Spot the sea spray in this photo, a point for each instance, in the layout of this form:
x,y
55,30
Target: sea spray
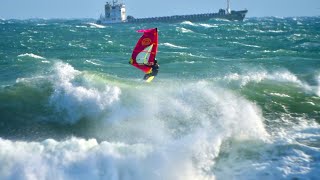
x,y
76,96
191,150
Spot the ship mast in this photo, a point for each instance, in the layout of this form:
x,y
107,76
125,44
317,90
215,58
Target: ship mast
x,y
228,7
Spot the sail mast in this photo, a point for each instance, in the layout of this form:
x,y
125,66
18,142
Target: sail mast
x,y
228,7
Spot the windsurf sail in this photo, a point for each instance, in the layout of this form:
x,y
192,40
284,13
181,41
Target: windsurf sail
x,y
145,51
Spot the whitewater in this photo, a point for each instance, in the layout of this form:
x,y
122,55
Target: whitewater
x,y
232,100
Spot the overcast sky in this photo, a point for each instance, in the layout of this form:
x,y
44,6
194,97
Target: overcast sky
x,y
24,9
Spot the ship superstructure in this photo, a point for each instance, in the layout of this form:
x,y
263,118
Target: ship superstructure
x,y
115,12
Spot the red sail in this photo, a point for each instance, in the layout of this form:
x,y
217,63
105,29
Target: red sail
x,y
145,50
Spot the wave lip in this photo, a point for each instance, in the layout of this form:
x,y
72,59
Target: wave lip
x,y
78,96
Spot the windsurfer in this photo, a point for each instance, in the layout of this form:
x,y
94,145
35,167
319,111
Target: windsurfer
x,y
144,53
154,69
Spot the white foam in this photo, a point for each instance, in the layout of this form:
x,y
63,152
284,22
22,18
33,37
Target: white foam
x,y
77,45
45,62
94,25
276,31
289,155
31,80
312,103
189,62
71,159
222,20
191,55
78,96
189,23
258,30
281,76
87,159
181,139
31,55
248,45
279,95
208,25
188,123
81,26
184,30
309,45
173,46
92,62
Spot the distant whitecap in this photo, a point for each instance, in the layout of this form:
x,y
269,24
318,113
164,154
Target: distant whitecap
x,y
208,25
279,95
189,23
184,30
31,55
248,45
93,62
93,25
173,46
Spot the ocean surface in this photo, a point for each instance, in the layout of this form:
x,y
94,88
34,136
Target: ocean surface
x,y
232,100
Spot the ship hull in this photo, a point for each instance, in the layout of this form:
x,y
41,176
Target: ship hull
x,y
233,16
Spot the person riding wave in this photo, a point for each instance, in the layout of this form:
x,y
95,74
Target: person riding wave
x,y
154,69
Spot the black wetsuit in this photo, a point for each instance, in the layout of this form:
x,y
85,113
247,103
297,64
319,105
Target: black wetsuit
x,y
155,69
154,72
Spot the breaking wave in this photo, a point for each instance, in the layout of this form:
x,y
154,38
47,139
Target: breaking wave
x,y
180,141
76,96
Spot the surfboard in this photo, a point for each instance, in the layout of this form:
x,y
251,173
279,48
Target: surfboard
x,y
150,79
145,51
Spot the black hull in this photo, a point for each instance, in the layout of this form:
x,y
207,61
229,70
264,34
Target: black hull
x,y
233,16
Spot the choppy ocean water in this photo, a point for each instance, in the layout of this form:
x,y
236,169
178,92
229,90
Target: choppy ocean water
x,y
232,100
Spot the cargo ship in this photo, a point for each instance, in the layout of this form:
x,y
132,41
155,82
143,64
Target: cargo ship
x,y
115,12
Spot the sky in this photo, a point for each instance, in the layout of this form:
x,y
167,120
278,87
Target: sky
x,y
26,9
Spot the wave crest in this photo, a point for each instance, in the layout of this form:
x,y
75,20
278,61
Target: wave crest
x,y
78,96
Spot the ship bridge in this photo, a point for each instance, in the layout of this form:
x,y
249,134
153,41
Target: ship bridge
x,y
114,12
